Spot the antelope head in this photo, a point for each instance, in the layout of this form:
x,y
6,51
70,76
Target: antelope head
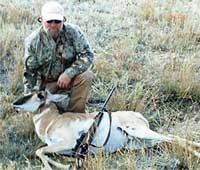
x,y
35,99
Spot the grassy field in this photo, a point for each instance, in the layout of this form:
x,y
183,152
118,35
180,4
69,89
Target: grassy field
x,y
149,49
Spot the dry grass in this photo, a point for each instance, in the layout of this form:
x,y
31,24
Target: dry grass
x,y
149,49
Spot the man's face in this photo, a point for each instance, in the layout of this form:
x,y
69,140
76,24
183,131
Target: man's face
x,y
53,26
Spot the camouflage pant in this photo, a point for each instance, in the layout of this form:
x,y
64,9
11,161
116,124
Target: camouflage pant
x,y
78,92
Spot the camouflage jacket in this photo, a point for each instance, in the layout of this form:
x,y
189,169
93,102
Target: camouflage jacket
x,y
46,59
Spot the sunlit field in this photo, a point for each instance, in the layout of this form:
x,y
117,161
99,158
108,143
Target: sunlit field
x,y
148,49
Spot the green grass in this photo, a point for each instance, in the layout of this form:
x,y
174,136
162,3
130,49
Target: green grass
x,y
148,49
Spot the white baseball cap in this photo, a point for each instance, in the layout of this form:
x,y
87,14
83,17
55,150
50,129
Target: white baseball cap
x,y
52,10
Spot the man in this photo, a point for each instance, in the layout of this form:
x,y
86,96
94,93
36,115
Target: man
x,y
57,57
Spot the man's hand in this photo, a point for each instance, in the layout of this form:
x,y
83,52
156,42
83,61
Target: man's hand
x,y
64,81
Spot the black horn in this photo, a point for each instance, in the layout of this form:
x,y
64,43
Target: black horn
x,y
22,100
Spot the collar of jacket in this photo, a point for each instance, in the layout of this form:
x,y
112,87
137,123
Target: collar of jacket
x,y
46,37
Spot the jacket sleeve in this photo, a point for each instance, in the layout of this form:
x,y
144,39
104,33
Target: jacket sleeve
x,y
84,54
30,67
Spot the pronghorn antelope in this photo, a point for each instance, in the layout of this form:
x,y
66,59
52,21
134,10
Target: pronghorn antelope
x,y
61,131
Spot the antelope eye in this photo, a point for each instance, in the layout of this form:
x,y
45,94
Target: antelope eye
x,y
40,96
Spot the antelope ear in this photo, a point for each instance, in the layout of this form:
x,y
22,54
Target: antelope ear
x,y
22,100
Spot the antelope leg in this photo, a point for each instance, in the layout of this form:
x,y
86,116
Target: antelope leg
x,y
184,142
57,164
43,159
52,149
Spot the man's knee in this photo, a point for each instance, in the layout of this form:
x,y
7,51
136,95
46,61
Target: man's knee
x,y
85,77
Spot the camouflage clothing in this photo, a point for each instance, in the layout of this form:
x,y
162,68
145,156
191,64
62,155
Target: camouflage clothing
x,y
46,59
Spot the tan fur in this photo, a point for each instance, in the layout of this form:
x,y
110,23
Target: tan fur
x,y
136,119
